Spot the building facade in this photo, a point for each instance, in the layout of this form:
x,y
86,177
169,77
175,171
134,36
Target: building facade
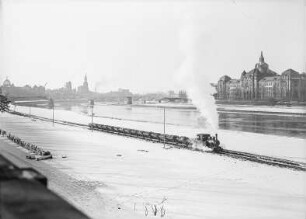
x,y
10,90
222,87
261,83
68,92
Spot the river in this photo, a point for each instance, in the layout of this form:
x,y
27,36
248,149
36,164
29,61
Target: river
x,y
274,123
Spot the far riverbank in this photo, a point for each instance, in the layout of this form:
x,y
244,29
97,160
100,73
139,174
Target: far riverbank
x,y
260,103
278,109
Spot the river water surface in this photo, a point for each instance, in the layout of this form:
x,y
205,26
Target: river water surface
x,y
275,123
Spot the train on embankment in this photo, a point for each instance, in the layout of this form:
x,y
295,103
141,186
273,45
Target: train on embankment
x,y
202,140
200,143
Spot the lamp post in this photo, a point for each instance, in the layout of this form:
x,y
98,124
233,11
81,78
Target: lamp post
x,y
91,105
53,115
51,105
164,127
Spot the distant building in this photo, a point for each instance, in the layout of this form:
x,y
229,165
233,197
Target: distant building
x,y
68,86
83,89
222,87
6,83
182,94
129,100
121,93
172,97
262,83
268,87
250,81
120,96
69,93
171,93
124,92
10,90
234,89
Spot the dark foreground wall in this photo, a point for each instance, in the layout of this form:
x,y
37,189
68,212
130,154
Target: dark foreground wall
x,y
24,194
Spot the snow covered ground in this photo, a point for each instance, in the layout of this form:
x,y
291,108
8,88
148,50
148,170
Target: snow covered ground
x,y
136,174
170,105
278,146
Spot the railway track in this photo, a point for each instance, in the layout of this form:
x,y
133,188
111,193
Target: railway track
x,y
177,141
264,159
62,122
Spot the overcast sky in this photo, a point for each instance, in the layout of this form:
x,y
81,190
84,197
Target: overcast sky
x,y
142,45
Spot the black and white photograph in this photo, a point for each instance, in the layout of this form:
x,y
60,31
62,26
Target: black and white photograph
x,y
175,109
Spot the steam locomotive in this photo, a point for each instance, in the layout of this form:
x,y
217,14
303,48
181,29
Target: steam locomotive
x,y
209,141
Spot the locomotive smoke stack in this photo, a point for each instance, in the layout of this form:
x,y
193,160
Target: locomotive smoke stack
x,y
216,136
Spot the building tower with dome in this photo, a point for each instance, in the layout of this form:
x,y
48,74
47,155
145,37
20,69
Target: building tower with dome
x,y
6,83
10,90
261,65
250,80
263,83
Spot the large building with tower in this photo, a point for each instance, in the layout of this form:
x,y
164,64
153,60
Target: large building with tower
x,y
261,83
10,90
68,92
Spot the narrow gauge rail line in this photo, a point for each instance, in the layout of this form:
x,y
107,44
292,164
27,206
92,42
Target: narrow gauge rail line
x,y
62,122
264,159
177,141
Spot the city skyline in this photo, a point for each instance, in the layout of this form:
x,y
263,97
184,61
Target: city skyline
x,y
147,47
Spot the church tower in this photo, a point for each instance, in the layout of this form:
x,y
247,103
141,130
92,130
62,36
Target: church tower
x,y
261,58
261,65
85,84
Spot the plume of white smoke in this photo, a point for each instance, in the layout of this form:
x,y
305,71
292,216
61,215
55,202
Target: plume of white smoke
x,y
1,41
193,74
